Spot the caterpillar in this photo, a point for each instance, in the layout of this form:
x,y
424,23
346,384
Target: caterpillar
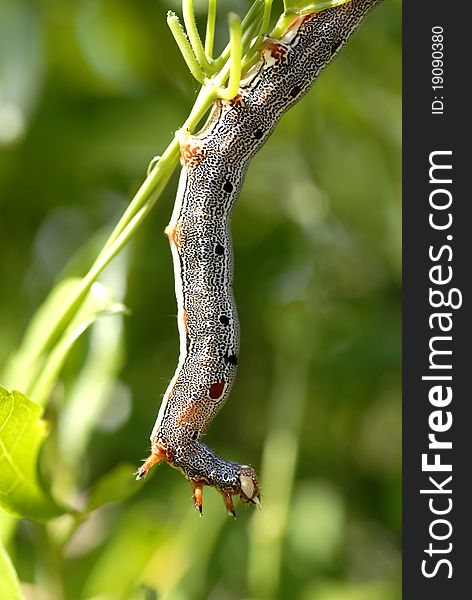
x,y
214,164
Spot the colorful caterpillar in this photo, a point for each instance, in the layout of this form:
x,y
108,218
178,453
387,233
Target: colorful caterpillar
x,y
214,164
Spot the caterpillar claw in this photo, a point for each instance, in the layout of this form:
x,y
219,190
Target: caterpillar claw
x,y
198,496
228,500
157,455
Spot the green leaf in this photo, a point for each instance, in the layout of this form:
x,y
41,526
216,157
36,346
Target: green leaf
x,y
118,484
23,366
21,434
97,303
310,6
34,367
96,384
9,584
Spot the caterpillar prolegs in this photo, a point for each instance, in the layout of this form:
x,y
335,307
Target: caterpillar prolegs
x,y
214,165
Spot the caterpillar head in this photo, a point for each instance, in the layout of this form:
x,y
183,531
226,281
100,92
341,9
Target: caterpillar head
x,y
245,484
249,486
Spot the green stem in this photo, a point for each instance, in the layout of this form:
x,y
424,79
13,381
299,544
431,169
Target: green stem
x,y
194,36
210,29
252,56
185,47
236,53
249,26
44,383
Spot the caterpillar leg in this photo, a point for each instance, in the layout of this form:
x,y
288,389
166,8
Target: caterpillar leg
x,y
198,495
228,500
157,455
197,486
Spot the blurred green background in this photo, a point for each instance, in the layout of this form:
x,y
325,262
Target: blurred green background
x,y
90,91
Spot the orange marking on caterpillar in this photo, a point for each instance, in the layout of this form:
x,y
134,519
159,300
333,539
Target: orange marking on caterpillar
x,y
174,233
274,51
297,21
308,17
192,415
294,26
237,101
191,152
185,320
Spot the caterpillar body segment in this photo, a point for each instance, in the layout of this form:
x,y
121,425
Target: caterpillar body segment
x,y
214,165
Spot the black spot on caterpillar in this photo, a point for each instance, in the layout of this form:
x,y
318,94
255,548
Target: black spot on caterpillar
x,y
230,359
234,132
228,186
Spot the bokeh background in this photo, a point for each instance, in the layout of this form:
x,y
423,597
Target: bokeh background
x,y
90,91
